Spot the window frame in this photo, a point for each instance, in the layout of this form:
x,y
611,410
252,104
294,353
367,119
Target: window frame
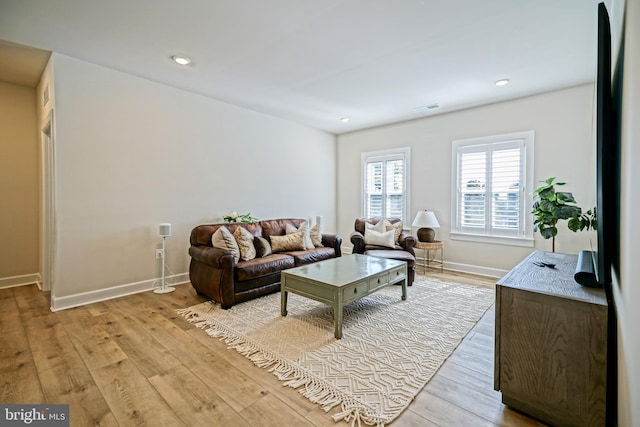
x,y
524,235
403,153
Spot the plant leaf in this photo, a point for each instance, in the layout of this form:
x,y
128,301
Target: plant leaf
x,y
549,232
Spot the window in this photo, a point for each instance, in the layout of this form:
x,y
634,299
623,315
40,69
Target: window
x,y
492,186
385,187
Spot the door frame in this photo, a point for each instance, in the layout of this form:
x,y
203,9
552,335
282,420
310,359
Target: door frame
x,y
48,240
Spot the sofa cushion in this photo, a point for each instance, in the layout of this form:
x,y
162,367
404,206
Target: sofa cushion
x,y
263,248
277,227
201,234
258,267
397,228
244,239
380,226
289,242
373,237
361,223
304,227
311,256
316,236
223,239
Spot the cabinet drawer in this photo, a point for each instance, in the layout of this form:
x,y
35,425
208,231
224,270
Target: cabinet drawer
x,y
397,274
378,281
355,291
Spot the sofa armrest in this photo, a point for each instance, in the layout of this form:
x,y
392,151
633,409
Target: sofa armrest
x,y
357,239
333,241
211,273
214,257
407,242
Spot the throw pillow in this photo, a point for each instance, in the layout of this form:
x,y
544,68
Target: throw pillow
x,y
308,243
373,237
223,239
397,228
380,227
288,242
263,248
316,236
245,242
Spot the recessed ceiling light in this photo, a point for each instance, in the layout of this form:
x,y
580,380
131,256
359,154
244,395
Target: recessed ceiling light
x,y
344,119
502,82
182,60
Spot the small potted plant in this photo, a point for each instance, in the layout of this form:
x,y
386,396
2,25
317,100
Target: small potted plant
x,y
246,218
550,206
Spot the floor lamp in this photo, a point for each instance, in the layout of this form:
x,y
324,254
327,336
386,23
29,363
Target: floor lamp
x,y
165,231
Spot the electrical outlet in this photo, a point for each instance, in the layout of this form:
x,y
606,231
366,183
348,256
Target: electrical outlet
x,y
159,254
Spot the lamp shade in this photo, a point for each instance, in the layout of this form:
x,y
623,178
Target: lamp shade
x,y
426,219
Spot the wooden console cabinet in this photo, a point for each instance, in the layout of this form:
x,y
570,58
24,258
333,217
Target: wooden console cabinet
x,y
551,343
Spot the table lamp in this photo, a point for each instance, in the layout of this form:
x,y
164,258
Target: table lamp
x,y
426,221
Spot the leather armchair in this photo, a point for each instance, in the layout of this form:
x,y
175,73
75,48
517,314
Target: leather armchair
x,y
406,242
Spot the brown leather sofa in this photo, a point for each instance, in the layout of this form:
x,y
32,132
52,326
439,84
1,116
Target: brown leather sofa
x,y
403,251
214,273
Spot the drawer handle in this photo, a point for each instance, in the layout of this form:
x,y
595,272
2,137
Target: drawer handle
x,y
355,291
378,280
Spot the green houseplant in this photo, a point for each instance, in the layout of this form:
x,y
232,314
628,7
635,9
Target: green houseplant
x,y
246,218
550,206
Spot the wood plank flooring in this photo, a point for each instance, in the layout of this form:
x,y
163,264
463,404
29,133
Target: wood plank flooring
x,y
133,361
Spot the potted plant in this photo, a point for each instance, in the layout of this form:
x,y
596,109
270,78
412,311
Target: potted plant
x,y
246,218
550,206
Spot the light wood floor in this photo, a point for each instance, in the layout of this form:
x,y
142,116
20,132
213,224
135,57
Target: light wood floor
x,y
132,361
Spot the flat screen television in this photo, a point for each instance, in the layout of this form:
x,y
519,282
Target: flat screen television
x,y
609,101
607,169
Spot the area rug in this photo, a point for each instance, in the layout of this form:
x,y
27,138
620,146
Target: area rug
x,y
389,351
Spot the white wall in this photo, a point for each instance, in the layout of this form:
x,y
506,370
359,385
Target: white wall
x,y
627,286
564,147
131,153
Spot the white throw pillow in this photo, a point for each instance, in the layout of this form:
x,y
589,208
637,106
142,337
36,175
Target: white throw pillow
x,y
373,237
316,236
223,239
380,227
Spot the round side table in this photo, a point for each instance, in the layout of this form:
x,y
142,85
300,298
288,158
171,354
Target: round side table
x,y
428,261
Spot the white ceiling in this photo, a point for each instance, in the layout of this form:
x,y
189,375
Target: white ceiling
x,y
314,62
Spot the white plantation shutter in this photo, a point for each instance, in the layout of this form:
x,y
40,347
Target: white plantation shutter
x,y
385,184
505,189
490,177
473,174
394,184
374,186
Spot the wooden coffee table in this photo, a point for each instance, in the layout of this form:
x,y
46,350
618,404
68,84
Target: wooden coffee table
x,y
339,281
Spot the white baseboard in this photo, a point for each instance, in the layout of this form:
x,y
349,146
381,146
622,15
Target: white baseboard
x,y
83,298
456,266
25,279
474,269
